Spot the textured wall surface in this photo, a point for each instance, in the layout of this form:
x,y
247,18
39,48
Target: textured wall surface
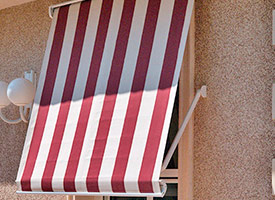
x,y
9,3
234,133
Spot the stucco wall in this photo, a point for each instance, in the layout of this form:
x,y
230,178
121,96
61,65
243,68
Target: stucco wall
x,y
234,133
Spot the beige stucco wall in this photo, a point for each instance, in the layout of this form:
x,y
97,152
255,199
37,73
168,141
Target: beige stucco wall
x,y
9,3
234,133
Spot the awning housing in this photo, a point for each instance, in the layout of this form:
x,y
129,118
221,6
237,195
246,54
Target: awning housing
x,y
104,100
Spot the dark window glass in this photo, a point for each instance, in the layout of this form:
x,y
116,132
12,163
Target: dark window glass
x,y
173,129
171,194
127,198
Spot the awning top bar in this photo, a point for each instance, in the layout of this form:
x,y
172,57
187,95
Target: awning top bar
x,y
52,7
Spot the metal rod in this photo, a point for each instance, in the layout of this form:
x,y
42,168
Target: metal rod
x,y
52,7
9,121
95,194
161,194
199,93
163,187
23,112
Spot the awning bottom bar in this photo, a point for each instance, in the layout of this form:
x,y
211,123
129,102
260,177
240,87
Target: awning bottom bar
x,y
162,184
97,194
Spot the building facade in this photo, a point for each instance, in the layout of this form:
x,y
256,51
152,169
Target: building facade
x,y
234,135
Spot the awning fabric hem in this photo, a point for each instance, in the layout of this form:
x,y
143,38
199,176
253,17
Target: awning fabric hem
x,y
163,187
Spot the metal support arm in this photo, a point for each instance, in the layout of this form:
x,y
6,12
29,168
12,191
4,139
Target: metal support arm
x,y
9,121
22,111
200,93
52,7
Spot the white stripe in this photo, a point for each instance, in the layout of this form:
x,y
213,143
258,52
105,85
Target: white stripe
x,y
166,125
149,96
120,108
79,88
56,98
36,101
98,100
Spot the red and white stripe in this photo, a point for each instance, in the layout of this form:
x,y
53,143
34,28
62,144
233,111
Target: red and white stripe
x,y
105,96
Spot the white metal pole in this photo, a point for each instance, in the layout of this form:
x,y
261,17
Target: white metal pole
x,y
52,7
199,93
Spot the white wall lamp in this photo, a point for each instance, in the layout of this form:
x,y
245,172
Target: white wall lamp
x,y
21,93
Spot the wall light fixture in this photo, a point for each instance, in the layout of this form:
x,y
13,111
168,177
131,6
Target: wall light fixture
x,y
20,92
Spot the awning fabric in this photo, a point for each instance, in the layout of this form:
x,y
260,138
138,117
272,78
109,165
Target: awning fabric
x,y
104,100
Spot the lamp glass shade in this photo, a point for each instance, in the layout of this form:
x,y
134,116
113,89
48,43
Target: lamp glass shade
x,y
4,100
21,92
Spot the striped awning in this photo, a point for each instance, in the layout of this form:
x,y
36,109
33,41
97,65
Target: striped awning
x,y
105,96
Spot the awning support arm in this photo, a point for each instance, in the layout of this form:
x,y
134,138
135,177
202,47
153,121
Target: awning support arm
x,y
52,7
200,93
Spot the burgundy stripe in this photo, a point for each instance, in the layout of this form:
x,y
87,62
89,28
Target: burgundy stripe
x,y
135,96
111,94
45,98
67,96
69,183
166,79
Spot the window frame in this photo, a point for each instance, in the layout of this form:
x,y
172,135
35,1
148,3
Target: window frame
x,y
186,95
